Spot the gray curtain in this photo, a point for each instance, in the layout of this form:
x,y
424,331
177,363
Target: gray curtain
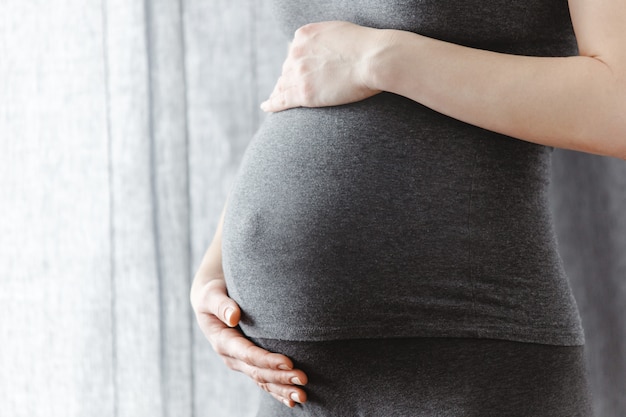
x,y
122,124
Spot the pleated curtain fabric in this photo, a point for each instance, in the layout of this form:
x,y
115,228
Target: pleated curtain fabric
x,y
122,124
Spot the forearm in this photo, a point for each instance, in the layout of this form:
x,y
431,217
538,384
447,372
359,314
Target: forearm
x,y
211,265
575,103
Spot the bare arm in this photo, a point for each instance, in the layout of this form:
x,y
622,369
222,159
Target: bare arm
x,y
217,316
576,102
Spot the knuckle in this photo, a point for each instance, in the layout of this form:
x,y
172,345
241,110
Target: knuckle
x,y
282,391
249,355
306,92
219,345
285,379
230,363
301,32
306,30
301,68
218,348
255,374
297,51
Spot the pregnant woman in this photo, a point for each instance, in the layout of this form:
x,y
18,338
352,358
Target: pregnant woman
x,y
388,236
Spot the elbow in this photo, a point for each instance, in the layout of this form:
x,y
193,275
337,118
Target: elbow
x,y
613,145
607,126
613,141
606,139
617,139
616,123
622,154
606,113
621,134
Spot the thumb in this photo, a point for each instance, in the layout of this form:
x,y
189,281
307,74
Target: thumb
x,y
221,305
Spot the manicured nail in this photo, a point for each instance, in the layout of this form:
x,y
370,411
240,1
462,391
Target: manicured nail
x,y
296,380
284,367
295,397
287,403
228,313
264,106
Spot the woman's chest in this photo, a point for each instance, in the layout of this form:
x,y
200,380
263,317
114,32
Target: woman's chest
x,y
477,23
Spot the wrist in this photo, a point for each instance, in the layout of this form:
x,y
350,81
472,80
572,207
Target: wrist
x,y
376,59
385,58
372,48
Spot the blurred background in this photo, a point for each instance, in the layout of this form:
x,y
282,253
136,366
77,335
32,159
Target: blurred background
x,y
122,124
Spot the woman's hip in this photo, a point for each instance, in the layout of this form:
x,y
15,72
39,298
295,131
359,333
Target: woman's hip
x,y
435,377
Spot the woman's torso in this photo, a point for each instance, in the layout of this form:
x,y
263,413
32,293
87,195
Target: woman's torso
x,y
383,218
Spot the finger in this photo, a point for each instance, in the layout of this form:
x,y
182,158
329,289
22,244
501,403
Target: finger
x,y
215,301
285,401
229,342
287,392
293,378
274,104
244,350
278,88
284,98
269,105
285,395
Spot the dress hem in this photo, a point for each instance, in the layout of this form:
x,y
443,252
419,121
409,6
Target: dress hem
x,y
519,334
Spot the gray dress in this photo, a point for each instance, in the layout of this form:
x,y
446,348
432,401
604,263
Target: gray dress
x,y
384,221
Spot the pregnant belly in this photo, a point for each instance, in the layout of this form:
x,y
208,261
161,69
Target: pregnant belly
x,y
383,218
342,210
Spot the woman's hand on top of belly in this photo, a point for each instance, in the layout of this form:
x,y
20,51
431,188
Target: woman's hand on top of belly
x,y
326,66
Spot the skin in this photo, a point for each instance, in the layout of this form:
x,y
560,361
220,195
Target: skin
x,y
575,103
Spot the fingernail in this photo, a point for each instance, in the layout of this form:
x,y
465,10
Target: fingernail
x,y
286,402
228,313
284,367
296,380
295,397
264,105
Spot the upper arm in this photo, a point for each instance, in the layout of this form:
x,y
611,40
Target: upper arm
x,y
600,27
